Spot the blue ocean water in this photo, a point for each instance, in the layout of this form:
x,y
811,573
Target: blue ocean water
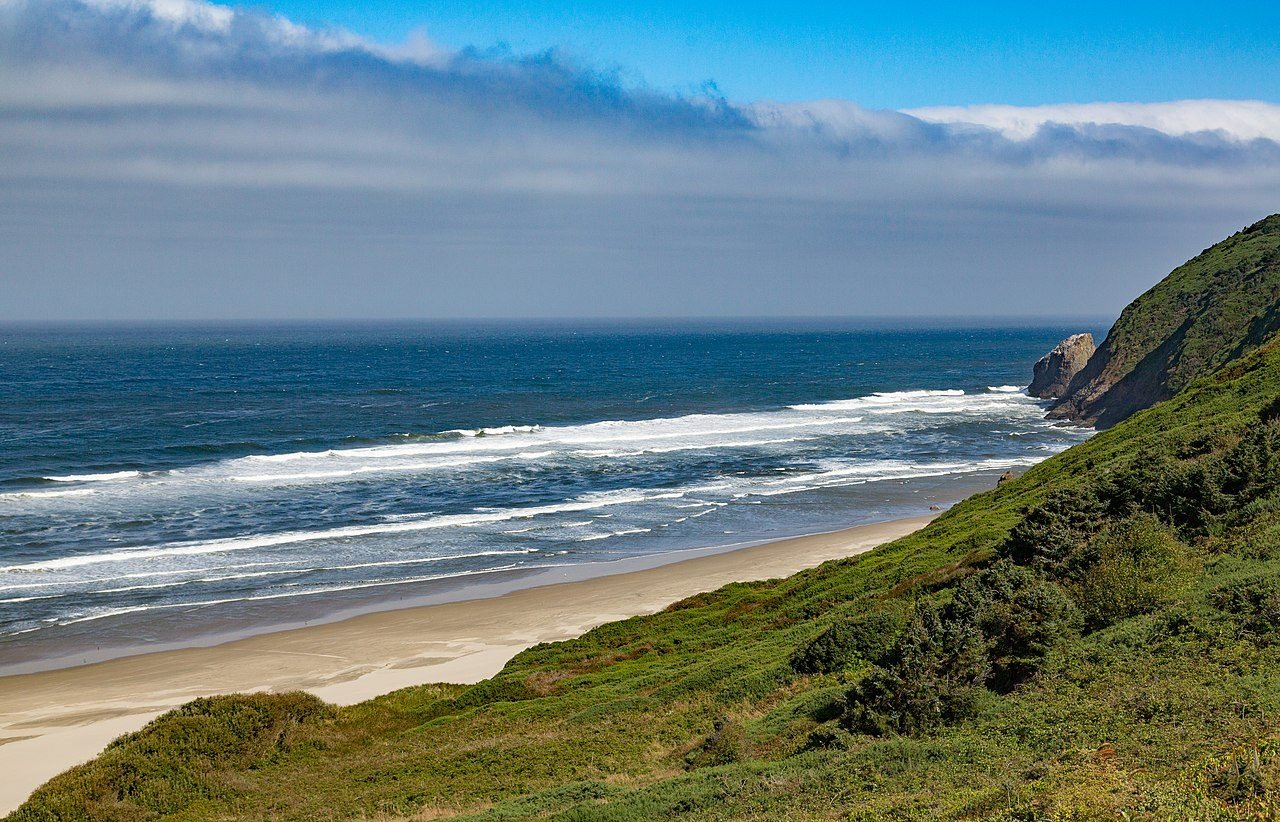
x,y
156,482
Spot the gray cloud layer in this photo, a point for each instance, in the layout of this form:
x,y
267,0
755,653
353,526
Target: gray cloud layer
x,y
170,158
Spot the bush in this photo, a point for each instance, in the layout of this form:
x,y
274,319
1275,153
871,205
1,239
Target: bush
x,y
994,634
1020,614
1186,495
1256,601
936,676
1191,496
501,688
182,756
868,637
1140,566
1049,536
1270,411
1251,468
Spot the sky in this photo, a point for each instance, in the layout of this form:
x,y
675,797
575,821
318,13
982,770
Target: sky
x,y
882,55
179,159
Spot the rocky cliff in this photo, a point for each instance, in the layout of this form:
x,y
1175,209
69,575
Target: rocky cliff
x,y
1054,371
1216,307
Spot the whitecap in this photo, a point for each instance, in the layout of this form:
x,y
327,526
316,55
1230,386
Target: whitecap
x,y
216,546
107,477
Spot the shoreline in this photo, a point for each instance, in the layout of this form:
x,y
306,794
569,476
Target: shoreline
x,y
52,720
505,582
230,621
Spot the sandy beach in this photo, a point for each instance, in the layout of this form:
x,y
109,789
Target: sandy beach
x,y
52,720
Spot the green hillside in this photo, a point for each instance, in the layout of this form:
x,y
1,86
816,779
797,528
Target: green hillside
x,y
1218,306
1097,639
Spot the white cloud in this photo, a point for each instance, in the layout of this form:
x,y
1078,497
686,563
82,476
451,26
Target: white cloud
x,y
1234,119
207,17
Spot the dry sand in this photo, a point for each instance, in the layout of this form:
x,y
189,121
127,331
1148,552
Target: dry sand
x,y
52,720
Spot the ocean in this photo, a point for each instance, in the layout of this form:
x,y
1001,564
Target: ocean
x,y
166,485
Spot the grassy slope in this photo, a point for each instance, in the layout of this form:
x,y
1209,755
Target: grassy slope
x,y
602,727
1211,309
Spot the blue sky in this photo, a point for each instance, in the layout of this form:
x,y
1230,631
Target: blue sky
x,y
183,159
884,55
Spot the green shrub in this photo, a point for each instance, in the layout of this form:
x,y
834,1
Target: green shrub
x,y
1270,411
1140,566
868,637
181,756
1049,537
937,670
1020,614
498,689
1188,496
1251,468
1256,602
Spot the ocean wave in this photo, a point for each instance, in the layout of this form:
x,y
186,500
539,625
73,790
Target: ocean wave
x,y
355,586
224,545
38,495
496,431
357,470
51,583
231,577
485,448
882,401
106,477
834,474
623,533
622,454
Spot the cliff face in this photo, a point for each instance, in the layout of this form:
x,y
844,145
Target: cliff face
x,y
1054,371
1214,308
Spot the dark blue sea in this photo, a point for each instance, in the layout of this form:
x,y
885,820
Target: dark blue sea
x,y
166,482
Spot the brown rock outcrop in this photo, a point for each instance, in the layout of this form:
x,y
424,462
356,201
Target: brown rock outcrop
x,y
1054,371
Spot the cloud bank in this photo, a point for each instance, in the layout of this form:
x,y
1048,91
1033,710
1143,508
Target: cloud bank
x,y
175,158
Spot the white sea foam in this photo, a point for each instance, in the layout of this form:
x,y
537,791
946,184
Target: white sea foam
x,y
833,474
39,495
329,589
620,453
354,471
495,431
196,580
142,575
889,402
486,448
623,533
586,502
115,475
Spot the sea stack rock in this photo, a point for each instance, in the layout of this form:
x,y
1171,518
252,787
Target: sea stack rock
x,y
1054,371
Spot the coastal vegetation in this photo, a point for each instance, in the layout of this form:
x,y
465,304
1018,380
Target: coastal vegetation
x,y
1214,308
1095,639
